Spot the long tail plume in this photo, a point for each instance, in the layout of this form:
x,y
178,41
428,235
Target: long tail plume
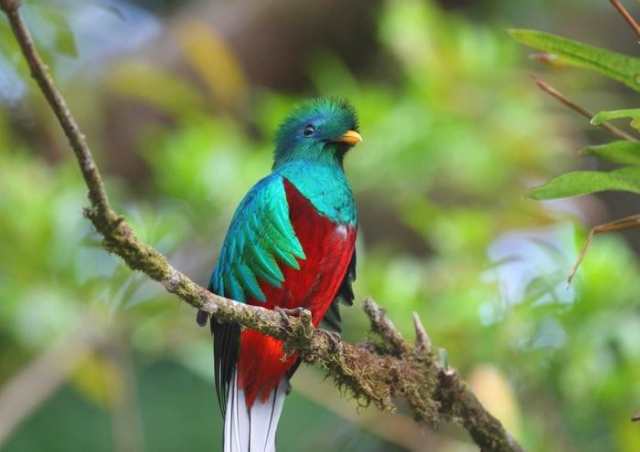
x,y
254,429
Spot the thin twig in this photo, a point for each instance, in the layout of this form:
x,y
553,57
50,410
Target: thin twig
x,y
376,378
623,224
544,86
423,343
626,15
384,327
97,193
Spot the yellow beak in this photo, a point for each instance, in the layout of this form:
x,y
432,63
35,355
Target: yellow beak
x,y
351,137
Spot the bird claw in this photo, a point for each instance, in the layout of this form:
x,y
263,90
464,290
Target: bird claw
x,y
334,338
285,313
293,312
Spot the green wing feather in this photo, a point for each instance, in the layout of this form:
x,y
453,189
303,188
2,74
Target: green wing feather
x,y
260,236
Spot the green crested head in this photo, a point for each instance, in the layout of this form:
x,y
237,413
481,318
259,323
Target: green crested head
x,y
320,130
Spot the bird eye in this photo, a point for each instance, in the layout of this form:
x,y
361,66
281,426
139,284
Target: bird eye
x,y
308,130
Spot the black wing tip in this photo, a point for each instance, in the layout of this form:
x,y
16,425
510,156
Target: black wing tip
x,y
202,317
332,319
226,344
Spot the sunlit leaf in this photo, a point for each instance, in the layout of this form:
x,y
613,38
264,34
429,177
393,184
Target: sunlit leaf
x,y
614,65
585,182
625,152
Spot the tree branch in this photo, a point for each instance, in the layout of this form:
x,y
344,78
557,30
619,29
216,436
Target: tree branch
x,y
371,375
544,86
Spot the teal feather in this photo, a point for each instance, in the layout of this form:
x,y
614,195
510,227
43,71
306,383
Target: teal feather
x,y
259,236
265,266
232,285
265,262
249,282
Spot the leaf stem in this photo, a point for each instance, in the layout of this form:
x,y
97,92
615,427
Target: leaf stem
x,y
626,15
544,86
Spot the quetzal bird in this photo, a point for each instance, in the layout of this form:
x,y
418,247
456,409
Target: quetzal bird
x,y
291,244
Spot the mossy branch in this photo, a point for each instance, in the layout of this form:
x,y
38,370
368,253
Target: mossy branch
x,y
372,374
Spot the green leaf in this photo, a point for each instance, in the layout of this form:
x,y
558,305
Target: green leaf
x,y
614,65
625,152
579,183
604,116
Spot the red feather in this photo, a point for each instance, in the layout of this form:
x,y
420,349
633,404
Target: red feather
x,y
328,248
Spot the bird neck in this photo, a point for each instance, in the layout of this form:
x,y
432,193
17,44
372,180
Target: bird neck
x,y
311,152
324,185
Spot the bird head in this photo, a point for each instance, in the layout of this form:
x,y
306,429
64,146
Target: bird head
x,y
321,130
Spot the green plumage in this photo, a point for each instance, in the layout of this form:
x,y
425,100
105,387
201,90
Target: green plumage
x,y
260,234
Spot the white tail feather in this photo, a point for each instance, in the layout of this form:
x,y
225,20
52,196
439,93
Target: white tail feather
x,y
252,430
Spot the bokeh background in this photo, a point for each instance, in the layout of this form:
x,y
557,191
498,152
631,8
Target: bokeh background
x,y
180,100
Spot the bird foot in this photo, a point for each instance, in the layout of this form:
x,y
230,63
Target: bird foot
x,y
293,312
285,313
334,338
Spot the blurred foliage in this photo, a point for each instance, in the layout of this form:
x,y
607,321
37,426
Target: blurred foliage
x,y
454,137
